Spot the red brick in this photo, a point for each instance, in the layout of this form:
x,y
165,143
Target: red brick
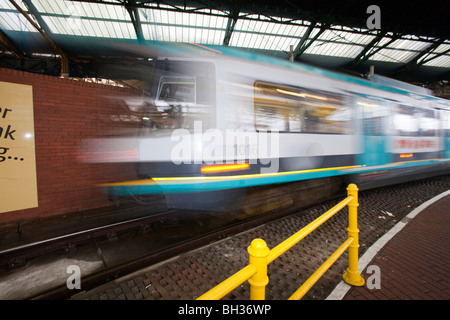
x,y
65,113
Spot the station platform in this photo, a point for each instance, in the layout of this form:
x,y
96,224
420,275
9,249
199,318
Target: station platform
x,y
408,262
413,259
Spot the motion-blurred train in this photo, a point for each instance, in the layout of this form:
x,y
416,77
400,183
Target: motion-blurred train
x,y
221,123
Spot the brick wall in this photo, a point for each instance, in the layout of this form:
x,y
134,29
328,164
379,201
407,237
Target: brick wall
x,y
66,112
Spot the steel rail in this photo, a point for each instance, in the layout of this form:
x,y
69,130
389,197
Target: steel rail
x,y
51,244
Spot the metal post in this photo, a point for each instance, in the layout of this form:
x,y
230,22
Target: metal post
x,y
352,276
258,252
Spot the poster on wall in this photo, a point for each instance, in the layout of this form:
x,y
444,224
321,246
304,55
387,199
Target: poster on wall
x,y
18,187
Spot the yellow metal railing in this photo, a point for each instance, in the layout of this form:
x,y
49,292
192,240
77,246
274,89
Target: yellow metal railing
x,y
260,256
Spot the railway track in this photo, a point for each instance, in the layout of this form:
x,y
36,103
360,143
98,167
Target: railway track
x,y
157,255
193,273
18,255
192,230
161,234
164,235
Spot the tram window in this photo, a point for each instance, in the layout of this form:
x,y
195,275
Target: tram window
x,y
375,114
175,103
272,118
176,89
409,121
405,121
180,101
183,93
428,123
293,109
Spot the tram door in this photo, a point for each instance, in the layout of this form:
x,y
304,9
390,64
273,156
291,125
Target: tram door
x,y
374,127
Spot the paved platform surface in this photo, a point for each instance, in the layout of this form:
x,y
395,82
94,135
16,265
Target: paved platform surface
x,y
415,263
413,260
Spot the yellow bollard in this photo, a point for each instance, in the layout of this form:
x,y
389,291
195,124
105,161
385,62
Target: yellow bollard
x,y
352,276
258,252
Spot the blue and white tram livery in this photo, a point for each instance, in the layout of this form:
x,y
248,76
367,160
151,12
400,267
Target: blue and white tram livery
x,y
223,121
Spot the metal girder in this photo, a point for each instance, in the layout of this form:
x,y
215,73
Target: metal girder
x,y
328,12
35,13
303,39
135,18
427,50
303,45
305,13
413,63
234,16
7,44
365,54
425,60
59,51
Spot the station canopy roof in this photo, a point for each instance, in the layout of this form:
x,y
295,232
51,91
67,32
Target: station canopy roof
x,y
413,43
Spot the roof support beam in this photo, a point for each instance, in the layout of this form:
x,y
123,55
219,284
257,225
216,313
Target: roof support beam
x,y
363,56
6,43
304,38
233,18
133,11
372,49
59,51
35,13
413,63
423,61
426,51
303,45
